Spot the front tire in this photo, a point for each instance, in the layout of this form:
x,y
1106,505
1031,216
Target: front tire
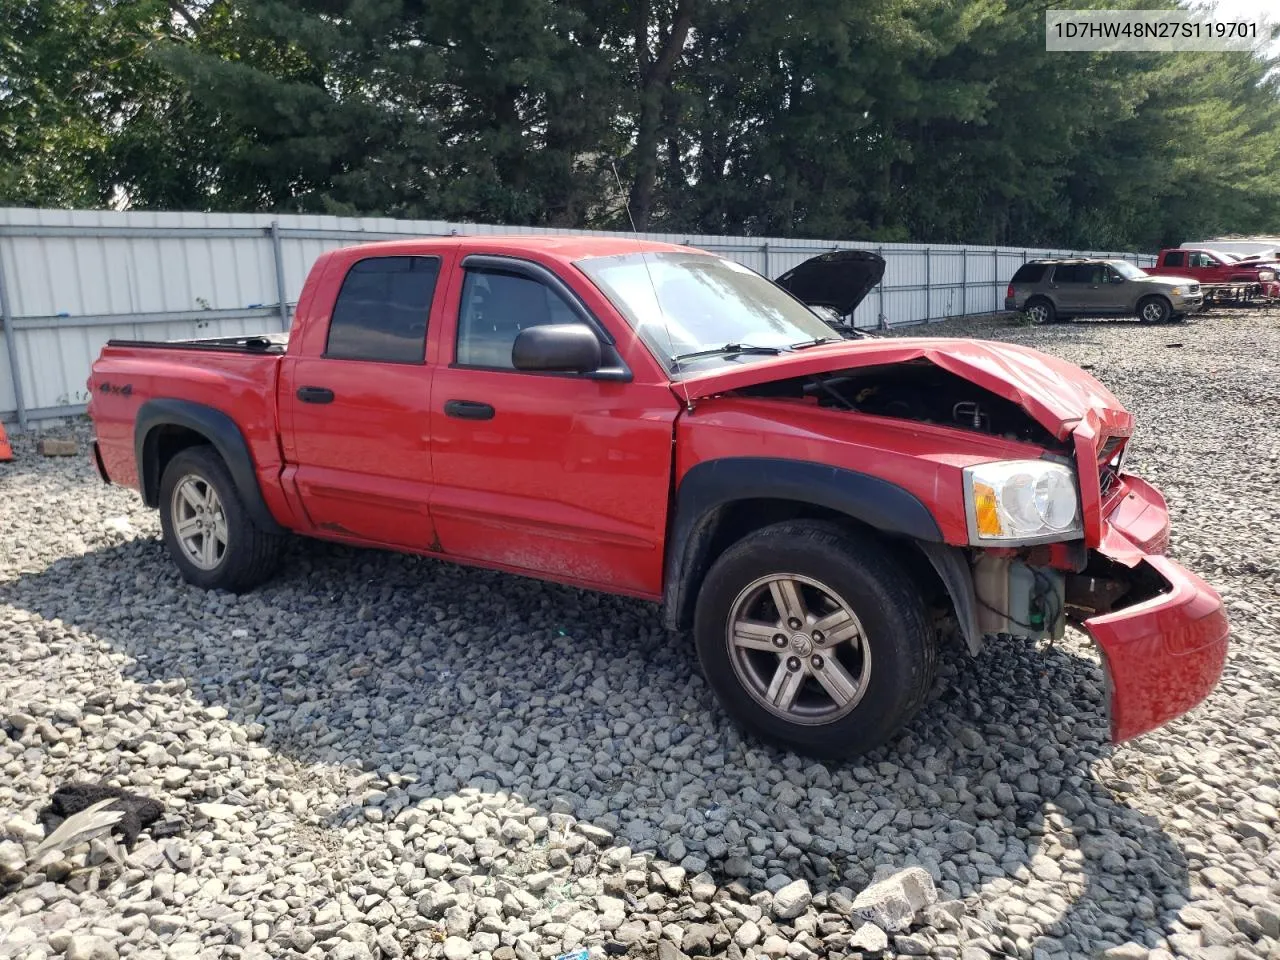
x,y
206,528
1154,310
815,638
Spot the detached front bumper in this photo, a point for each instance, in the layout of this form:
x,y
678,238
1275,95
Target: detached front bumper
x,y
1164,653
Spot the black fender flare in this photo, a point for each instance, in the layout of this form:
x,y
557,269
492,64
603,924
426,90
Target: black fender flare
x,y
713,484
953,570
215,426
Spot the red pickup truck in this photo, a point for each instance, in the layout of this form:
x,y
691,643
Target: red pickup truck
x,y
656,421
1214,269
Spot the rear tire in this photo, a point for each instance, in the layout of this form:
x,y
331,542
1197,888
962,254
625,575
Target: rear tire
x,y
206,527
1040,310
1154,310
815,638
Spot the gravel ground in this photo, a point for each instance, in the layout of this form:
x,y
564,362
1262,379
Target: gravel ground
x,y
379,755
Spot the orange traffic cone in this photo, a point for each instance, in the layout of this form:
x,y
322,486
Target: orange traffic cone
x,y
6,451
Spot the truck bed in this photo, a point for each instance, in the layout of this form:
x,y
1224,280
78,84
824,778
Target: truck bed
x,y
251,343
235,376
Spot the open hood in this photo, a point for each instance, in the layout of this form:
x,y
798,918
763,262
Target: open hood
x,y
840,280
1057,394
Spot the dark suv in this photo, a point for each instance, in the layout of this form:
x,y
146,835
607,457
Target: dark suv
x,y
1049,290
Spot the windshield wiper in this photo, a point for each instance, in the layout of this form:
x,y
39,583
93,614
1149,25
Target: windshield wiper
x,y
815,342
729,349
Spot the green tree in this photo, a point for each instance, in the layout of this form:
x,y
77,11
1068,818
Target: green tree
x,y
930,120
68,69
488,110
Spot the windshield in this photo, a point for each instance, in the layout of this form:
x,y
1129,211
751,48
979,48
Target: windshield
x,y
1127,270
686,303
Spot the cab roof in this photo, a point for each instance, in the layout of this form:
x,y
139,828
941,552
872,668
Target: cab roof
x,y
567,247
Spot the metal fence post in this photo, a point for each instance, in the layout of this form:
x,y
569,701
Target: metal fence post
x,y
964,281
11,341
277,252
881,320
768,272
995,278
928,285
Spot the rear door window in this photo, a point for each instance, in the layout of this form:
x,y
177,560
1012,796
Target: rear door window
x,y
382,310
1073,273
1175,259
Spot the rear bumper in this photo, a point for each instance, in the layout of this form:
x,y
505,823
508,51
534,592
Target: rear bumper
x,y
1164,654
1010,303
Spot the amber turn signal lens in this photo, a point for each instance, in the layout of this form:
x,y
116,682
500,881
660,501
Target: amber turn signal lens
x,y
985,511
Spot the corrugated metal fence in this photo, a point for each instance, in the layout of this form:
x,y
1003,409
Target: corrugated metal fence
x,y
70,280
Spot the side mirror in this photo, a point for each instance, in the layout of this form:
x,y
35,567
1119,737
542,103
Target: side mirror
x,y
559,347
1116,278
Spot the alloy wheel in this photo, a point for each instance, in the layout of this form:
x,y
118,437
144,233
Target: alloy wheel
x,y
798,649
199,522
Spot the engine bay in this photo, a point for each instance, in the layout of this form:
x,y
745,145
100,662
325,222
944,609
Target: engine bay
x,y
918,391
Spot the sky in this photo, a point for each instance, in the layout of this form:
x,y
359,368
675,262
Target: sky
x,y
1246,10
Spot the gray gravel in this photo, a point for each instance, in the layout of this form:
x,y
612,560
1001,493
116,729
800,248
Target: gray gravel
x,y
378,755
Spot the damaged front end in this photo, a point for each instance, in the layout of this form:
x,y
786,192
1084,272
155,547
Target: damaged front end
x,y
1162,631
1021,457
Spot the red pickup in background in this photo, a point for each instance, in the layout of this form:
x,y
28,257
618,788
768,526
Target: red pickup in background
x,y
656,421
1215,269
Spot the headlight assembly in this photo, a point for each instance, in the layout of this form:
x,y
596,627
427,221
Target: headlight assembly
x,y
1015,502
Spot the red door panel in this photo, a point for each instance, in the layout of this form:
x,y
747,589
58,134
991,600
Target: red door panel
x,y
363,460
1202,267
355,398
569,479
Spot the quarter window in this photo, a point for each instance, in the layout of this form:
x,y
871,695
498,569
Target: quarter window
x,y
496,306
382,310
1175,259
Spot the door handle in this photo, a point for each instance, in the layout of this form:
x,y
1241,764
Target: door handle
x,y
468,410
315,395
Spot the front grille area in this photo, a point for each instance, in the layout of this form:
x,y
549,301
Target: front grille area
x,y
1109,459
